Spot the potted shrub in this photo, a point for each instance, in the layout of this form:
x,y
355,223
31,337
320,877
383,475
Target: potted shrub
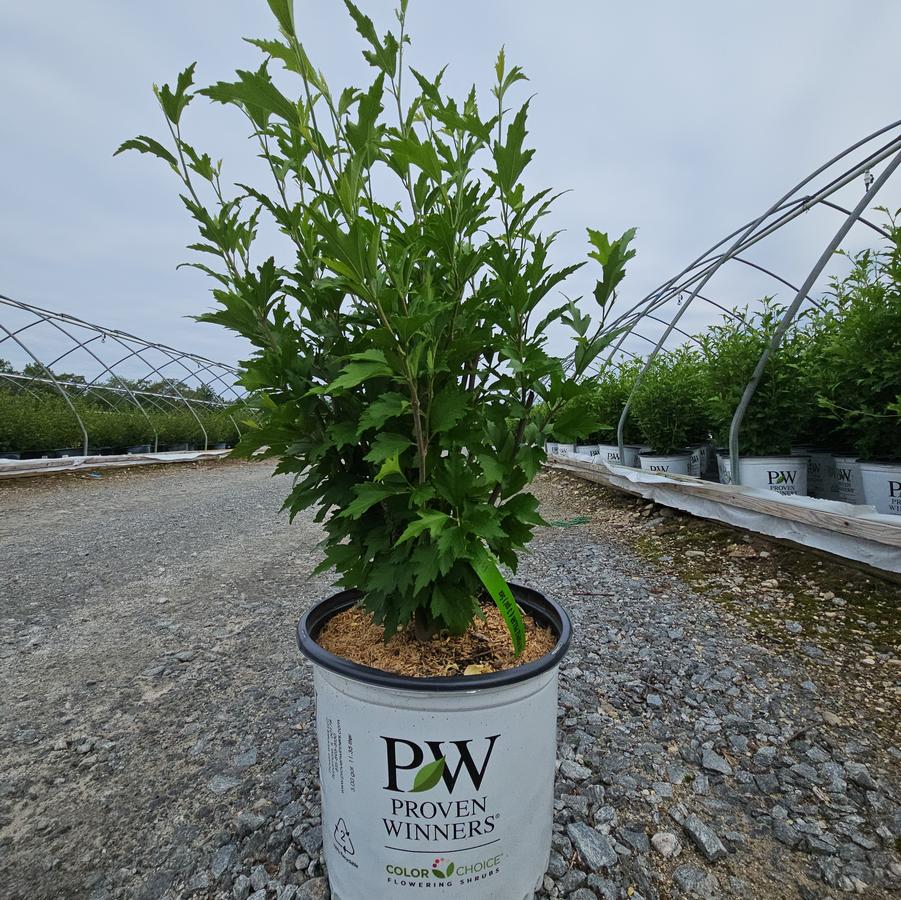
x,y
612,389
779,411
669,406
404,375
859,376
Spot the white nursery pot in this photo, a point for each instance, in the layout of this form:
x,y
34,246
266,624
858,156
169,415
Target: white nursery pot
x,y
610,453
882,485
845,479
784,475
819,471
665,463
551,448
587,449
479,829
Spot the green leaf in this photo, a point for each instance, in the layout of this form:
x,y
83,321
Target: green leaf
x,y
144,144
382,56
450,869
511,158
431,520
344,434
352,374
387,445
411,151
613,256
256,93
366,495
447,409
174,102
283,10
428,776
387,406
391,466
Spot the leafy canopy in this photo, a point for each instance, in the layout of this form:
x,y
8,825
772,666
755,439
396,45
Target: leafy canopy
x,y
669,401
780,409
856,366
402,348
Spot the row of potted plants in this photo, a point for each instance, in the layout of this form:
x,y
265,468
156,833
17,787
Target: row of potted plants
x,y
43,424
825,419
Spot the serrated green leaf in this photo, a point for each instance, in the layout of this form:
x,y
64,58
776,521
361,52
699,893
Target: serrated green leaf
x,y
447,409
366,495
387,406
387,445
255,92
144,144
391,466
353,374
283,10
431,520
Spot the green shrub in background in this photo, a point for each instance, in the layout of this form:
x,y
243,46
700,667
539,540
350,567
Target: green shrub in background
x,y
45,422
669,402
614,387
597,414
856,371
782,406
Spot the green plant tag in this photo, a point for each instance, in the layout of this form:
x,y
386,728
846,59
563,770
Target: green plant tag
x,y
486,568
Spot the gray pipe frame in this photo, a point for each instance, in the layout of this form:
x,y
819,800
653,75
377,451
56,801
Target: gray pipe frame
x,y
83,345
791,209
792,311
750,231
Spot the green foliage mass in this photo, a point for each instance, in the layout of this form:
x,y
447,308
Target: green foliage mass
x,y
781,407
44,421
599,411
669,402
401,347
856,367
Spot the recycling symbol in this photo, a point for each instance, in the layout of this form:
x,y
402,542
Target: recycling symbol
x,y
342,838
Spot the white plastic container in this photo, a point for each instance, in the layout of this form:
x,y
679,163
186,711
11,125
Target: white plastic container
x,y
587,450
610,453
665,463
882,485
845,482
785,475
820,477
551,448
395,823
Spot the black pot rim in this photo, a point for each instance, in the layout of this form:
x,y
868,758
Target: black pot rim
x,y
541,608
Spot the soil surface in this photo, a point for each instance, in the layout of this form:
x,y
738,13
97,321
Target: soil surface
x,y
728,718
485,647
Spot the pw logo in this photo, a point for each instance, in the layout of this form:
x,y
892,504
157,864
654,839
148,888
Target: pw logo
x,y
448,761
781,477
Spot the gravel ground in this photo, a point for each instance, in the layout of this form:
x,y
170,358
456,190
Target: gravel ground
x,y
728,718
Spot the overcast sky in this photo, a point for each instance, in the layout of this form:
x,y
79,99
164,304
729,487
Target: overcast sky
x,y
685,120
